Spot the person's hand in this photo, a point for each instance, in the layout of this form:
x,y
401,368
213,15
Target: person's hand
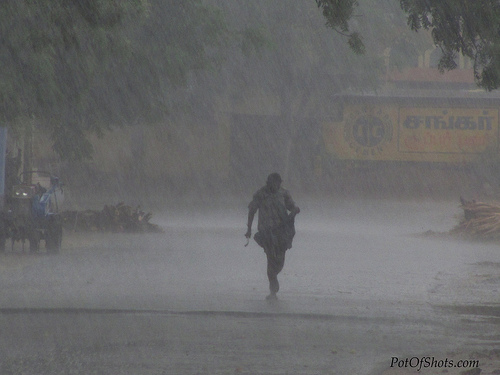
x,y
248,234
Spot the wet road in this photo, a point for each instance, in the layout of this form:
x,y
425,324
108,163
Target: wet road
x,y
362,284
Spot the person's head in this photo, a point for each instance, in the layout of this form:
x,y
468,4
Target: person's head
x,y
274,182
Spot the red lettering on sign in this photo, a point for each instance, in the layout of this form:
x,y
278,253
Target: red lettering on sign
x,y
472,141
429,140
413,143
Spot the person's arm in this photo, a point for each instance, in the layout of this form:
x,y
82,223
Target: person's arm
x,y
290,204
251,213
252,209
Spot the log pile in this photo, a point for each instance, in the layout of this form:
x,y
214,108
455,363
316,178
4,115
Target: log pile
x,y
120,218
481,220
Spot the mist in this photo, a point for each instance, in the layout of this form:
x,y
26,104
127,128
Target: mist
x,y
183,110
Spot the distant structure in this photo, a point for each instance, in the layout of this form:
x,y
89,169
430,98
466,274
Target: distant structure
x,y
421,115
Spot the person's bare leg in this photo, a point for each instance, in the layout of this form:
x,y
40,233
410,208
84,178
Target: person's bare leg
x,y
275,263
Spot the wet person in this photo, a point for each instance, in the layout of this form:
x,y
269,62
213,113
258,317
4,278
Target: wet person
x,y
275,228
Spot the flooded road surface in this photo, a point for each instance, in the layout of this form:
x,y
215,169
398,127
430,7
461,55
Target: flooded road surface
x,y
362,284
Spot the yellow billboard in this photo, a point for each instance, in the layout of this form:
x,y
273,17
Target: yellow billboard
x,y
406,133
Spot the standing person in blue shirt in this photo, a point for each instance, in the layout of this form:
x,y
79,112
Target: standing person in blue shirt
x,y
275,228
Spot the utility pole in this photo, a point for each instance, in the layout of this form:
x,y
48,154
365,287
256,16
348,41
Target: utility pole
x,y
3,155
28,151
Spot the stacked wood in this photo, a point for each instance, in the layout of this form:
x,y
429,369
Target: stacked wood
x,y
118,218
481,220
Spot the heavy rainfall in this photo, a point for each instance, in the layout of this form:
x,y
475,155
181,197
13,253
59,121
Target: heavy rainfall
x,y
154,156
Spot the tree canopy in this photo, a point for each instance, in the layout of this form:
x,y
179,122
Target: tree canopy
x,y
81,67
50,56
338,13
470,28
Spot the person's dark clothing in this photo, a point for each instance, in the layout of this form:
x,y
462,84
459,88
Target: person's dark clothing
x,y
275,228
272,207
